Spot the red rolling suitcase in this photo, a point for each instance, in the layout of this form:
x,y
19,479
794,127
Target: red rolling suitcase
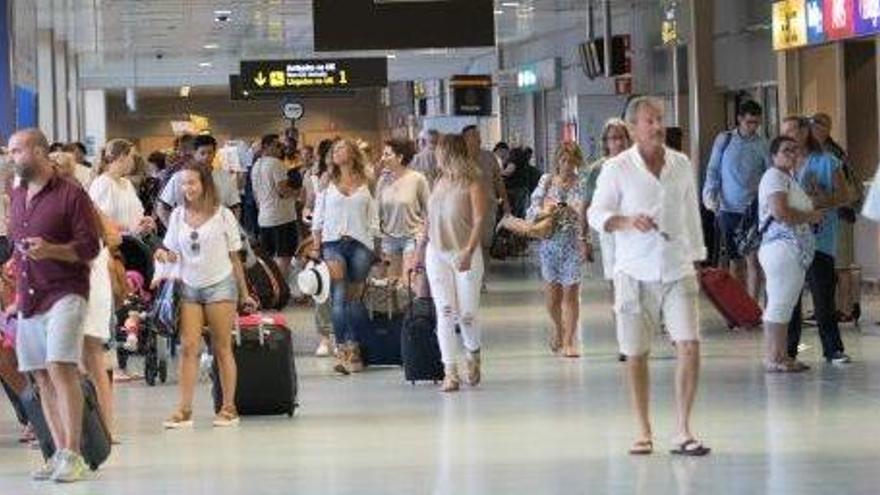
x,y
730,298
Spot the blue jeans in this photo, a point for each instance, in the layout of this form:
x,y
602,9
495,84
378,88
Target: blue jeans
x,y
348,316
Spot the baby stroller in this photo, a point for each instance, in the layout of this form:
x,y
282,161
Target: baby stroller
x,y
135,332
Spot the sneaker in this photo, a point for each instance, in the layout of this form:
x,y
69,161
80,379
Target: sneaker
x,y
323,349
180,419
45,471
227,417
70,467
840,357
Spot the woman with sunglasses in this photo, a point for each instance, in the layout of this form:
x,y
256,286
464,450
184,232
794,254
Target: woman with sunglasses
x,y
787,248
204,238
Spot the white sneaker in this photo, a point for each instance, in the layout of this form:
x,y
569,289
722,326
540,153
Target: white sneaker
x,y
45,471
323,349
71,467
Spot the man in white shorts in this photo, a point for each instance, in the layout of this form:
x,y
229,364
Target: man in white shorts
x,y
55,234
647,197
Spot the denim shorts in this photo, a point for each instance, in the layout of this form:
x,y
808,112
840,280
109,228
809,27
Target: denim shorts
x,y
398,245
225,290
55,336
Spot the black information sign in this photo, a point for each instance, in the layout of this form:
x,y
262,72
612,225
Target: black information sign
x,y
471,95
296,76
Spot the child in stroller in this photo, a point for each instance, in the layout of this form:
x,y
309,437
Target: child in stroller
x,y
135,333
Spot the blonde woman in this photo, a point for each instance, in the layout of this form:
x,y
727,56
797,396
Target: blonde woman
x,y
564,254
453,258
345,227
114,194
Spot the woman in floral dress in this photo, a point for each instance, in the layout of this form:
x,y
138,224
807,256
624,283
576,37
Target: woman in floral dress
x,y
563,255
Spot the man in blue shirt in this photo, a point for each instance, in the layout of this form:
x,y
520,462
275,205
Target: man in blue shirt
x,y
738,161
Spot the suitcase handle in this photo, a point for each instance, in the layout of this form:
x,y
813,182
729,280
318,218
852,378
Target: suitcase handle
x,y
236,333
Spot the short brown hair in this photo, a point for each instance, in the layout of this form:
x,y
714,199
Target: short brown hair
x,y
404,148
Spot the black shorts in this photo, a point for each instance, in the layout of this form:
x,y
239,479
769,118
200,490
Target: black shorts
x,y
279,241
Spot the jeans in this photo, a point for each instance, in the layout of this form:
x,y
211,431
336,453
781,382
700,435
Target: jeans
x,y
348,316
728,222
821,279
456,299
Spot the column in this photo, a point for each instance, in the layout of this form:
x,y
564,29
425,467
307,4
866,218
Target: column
x,y
706,107
94,117
46,82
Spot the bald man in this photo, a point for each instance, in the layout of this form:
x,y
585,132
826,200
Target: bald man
x,y
53,228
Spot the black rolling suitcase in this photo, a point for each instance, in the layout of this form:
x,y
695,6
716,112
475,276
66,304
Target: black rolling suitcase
x,y
380,340
418,343
95,445
267,382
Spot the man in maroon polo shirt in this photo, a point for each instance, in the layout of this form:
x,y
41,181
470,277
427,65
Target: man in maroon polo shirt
x,y
53,227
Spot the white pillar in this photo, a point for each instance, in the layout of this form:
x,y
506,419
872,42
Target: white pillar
x,y
46,82
62,114
94,109
73,100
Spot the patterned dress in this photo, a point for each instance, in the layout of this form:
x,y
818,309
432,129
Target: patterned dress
x,y
560,257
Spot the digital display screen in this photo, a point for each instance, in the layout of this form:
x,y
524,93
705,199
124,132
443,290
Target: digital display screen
x,y
402,24
293,76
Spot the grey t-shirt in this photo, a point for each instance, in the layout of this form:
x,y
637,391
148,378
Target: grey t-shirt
x,y
227,192
267,175
403,204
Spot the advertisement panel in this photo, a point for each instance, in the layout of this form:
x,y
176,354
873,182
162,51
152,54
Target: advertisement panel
x,y
867,14
839,19
815,23
789,24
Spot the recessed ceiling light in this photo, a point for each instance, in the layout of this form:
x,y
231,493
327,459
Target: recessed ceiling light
x,y
498,11
223,12
211,46
391,56
510,4
205,64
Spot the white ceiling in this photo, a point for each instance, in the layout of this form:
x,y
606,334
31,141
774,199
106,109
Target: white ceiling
x,y
120,42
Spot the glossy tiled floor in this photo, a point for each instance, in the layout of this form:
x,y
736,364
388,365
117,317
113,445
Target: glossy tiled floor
x,y
538,425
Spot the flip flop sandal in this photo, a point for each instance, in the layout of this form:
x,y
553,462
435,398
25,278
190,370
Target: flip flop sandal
x,y
691,448
642,447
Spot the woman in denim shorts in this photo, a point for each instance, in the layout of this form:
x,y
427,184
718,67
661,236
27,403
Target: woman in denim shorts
x,y
204,238
402,195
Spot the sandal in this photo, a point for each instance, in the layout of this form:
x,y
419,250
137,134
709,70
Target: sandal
x,y
691,448
642,447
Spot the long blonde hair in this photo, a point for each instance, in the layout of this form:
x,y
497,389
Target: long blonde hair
x,y
359,162
454,163
114,150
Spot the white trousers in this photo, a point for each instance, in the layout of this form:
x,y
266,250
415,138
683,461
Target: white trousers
x,y
456,298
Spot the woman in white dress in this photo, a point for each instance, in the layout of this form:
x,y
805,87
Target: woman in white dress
x,y
114,194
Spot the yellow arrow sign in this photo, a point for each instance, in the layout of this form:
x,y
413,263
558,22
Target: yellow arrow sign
x,y
260,80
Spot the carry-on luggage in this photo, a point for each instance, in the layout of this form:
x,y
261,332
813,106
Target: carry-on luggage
x,y
95,445
730,298
267,381
419,347
380,339
266,282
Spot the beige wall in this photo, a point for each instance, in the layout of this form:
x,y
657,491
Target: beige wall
x,y
356,116
822,86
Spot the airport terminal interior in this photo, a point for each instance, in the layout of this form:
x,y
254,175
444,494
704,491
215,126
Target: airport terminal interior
x,y
439,246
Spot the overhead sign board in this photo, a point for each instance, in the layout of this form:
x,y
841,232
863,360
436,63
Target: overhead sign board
x,y
293,76
789,24
471,95
826,20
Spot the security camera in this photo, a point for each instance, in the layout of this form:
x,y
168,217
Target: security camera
x,y
221,18
160,55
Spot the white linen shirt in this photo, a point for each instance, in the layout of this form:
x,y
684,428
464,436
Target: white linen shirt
x,y
337,215
626,187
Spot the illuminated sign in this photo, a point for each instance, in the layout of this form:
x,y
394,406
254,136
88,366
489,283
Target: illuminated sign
x,y
815,23
839,19
526,79
867,14
471,95
293,76
789,24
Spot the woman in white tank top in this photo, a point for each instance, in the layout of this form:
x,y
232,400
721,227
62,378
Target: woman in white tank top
x,y
453,258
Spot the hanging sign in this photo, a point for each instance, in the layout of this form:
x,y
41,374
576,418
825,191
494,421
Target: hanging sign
x,y
290,76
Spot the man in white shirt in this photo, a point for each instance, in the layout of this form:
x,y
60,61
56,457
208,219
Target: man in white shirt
x,y
276,204
205,151
647,197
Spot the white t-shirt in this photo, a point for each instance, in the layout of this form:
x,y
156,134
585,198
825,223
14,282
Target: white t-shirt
x,y
204,252
118,200
227,191
337,215
267,175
